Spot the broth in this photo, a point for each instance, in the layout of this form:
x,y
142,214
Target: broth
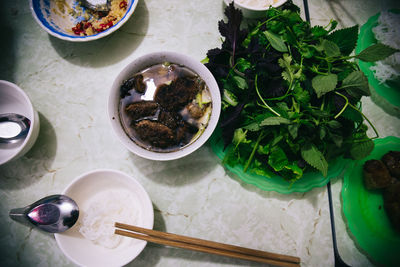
x,y
164,107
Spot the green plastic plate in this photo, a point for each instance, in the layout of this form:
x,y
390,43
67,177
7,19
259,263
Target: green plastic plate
x,y
366,38
364,211
309,180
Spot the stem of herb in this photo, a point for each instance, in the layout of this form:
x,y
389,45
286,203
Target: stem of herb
x,y
262,100
369,122
253,152
345,105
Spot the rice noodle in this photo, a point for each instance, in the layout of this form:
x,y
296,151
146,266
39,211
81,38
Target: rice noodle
x,y
388,33
106,208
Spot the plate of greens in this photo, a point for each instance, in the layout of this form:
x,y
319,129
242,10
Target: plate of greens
x,y
388,90
291,108
364,210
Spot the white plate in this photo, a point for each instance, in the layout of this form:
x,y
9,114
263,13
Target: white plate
x,y
83,251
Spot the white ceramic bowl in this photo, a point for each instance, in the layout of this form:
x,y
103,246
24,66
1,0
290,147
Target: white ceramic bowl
x,y
14,100
83,190
57,24
254,12
142,63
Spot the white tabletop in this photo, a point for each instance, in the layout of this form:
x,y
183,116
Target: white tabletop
x,y
69,83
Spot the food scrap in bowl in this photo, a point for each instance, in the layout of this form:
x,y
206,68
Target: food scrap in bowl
x,y
91,21
164,107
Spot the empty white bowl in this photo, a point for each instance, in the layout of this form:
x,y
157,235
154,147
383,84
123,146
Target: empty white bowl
x,y
142,63
49,17
14,100
253,12
92,186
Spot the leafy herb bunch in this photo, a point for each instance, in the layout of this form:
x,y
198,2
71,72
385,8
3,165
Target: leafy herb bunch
x,y
290,92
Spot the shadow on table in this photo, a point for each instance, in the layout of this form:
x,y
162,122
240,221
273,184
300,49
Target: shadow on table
x,y
180,172
338,9
7,44
153,252
31,167
110,49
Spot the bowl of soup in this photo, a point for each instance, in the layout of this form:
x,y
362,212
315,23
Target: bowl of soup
x,y
164,105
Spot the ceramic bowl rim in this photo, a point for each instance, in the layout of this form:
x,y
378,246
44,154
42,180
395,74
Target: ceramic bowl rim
x,y
277,4
34,119
131,179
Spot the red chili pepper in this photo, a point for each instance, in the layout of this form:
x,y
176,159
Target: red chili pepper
x,y
87,25
123,5
78,29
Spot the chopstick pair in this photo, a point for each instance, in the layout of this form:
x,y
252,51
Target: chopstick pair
x,y
206,246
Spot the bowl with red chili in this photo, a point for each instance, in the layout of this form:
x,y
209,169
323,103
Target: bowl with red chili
x,y
69,20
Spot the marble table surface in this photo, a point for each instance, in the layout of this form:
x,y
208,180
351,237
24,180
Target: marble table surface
x,y
68,84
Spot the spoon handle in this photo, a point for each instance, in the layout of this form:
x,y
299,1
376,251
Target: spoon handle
x,y
19,215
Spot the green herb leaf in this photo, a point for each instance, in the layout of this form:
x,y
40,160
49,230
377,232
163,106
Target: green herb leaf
x,y
360,150
356,84
319,31
301,95
337,139
243,64
240,82
334,124
277,158
260,168
323,84
346,39
322,133
293,130
376,52
352,115
274,121
276,41
239,137
331,49
229,97
253,127
315,158
294,172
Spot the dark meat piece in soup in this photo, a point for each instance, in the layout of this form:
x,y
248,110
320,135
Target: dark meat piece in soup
x,y
177,94
135,82
185,132
169,119
155,133
137,110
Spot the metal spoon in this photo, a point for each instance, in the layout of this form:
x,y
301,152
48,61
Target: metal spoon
x,y
13,128
54,214
97,5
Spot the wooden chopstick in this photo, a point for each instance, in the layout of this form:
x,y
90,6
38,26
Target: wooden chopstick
x,y
206,246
